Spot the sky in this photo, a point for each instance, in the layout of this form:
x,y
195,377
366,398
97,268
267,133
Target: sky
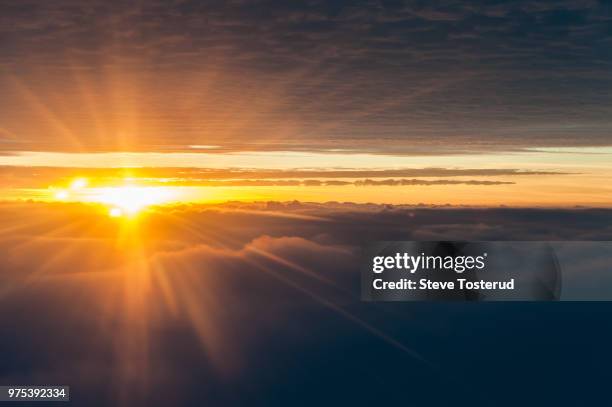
x,y
319,84
187,189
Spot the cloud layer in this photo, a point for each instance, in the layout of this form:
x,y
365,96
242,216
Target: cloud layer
x,y
377,76
43,177
241,302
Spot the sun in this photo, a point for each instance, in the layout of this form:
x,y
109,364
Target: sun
x,y
130,200
79,183
115,212
122,201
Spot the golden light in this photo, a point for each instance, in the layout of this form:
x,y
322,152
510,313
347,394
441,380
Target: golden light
x,y
61,195
79,183
126,200
115,212
129,200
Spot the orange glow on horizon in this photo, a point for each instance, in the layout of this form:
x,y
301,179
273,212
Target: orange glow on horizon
x,y
130,199
79,183
126,200
145,187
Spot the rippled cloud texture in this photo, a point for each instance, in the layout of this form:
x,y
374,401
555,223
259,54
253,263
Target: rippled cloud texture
x,y
304,76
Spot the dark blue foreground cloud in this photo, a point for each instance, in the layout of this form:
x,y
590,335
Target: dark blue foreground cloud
x,y
259,305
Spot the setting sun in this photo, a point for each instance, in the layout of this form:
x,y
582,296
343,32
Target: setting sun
x,y
129,200
79,183
115,212
126,200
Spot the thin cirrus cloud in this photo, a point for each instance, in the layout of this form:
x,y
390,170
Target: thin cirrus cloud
x,y
42,177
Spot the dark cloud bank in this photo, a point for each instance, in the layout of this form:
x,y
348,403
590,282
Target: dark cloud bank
x,y
379,76
258,304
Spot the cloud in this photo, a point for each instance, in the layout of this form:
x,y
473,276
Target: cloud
x,y
407,182
319,183
203,301
42,177
311,76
